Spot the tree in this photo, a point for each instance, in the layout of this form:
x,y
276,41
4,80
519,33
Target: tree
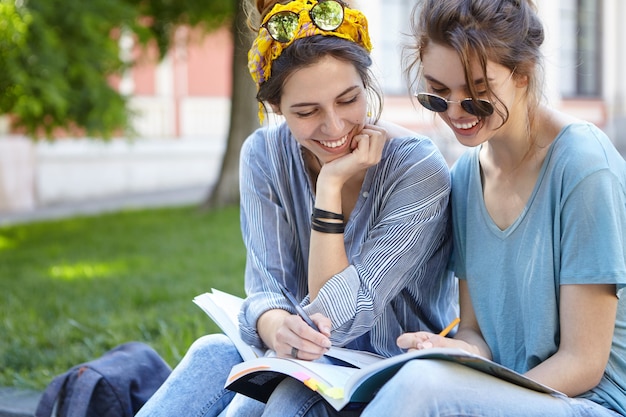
x,y
56,60
57,57
49,71
243,116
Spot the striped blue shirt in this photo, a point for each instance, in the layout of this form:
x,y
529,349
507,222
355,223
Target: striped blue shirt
x,y
397,239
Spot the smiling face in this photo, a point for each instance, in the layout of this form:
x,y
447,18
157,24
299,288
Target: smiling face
x,y
444,75
324,105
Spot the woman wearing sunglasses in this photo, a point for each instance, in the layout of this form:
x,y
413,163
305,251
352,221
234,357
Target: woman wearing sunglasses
x,y
348,213
539,220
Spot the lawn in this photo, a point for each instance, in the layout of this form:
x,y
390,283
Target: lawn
x,y
72,289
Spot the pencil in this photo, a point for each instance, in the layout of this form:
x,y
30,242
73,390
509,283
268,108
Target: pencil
x,y
445,331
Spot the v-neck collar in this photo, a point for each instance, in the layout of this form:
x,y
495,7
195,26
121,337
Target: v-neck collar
x,y
478,191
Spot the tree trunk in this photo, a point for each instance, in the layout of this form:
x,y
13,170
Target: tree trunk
x,y
243,116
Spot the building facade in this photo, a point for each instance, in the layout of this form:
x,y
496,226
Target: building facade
x,y
585,62
182,105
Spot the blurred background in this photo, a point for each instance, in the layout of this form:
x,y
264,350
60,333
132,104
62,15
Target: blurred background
x,y
120,128
173,112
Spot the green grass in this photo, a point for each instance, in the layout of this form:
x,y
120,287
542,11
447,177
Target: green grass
x,y
72,289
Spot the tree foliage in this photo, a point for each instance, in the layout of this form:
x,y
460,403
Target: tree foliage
x,y
13,29
166,15
57,57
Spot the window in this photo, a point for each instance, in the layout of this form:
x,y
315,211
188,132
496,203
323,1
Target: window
x,y
388,48
581,48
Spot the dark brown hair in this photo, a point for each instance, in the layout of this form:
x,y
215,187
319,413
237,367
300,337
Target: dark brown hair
x,y
507,32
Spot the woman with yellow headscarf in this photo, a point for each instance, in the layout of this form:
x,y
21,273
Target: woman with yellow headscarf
x,y
348,213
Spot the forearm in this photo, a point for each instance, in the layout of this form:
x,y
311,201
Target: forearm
x,y
569,374
475,342
338,179
469,330
327,252
587,321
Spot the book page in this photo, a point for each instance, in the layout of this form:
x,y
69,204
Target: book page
x,y
231,304
358,358
223,308
387,367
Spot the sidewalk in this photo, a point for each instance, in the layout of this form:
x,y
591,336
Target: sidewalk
x,y
168,198
18,403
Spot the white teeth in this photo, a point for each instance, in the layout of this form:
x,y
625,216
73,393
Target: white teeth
x,y
336,143
465,125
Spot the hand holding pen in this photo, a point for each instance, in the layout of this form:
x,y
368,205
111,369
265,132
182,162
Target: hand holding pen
x,y
294,303
303,343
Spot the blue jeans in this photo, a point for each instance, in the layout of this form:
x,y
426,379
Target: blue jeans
x,y
421,388
292,398
196,386
439,388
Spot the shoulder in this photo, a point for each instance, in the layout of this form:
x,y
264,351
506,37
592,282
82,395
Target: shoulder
x,y
394,130
572,144
406,143
265,138
266,144
582,159
462,175
582,149
416,161
581,137
414,149
414,166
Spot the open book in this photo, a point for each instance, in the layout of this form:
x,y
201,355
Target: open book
x,y
350,388
224,308
343,387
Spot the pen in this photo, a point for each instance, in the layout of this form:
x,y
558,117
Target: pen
x,y
295,304
445,331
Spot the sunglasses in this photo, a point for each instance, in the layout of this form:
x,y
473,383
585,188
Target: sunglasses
x,y
327,15
477,107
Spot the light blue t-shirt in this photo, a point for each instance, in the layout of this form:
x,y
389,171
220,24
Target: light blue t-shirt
x,y
572,231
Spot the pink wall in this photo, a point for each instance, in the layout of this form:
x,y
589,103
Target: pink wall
x,y
143,73
205,62
209,63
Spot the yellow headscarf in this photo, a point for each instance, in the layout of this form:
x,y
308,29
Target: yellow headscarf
x,y
265,49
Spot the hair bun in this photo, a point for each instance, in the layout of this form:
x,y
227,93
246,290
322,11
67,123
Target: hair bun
x,y
264,6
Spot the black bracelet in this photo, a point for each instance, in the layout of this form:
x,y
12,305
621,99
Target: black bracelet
x,y
326,227
323,214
